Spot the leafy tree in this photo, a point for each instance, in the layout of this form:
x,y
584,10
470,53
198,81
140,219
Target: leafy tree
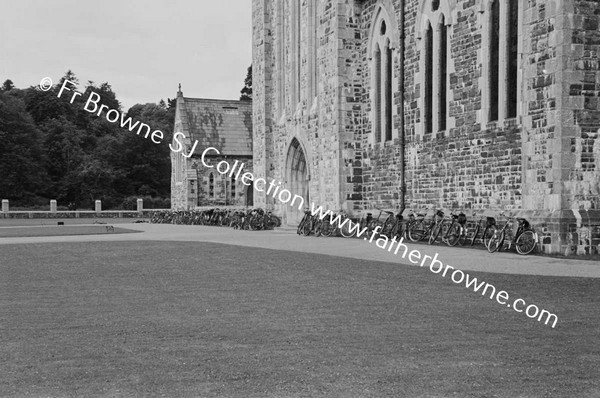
x,y
106,93
64,158
51,148
148,164
247,90
69,75
20,151
7,85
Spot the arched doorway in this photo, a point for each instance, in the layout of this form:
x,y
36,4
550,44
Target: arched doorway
x,y
297,180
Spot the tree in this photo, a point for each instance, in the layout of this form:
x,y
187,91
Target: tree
x,y
52,148
247,90
7,86
148,164
21,155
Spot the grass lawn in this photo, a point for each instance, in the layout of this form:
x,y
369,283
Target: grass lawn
x,y
210,320
63,230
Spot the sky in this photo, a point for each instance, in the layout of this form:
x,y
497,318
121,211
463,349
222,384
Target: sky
x,y
143,49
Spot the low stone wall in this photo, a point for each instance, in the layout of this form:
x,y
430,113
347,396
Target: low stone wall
x,y
80,214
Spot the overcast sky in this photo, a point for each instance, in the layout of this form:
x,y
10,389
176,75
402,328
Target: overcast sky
x,y
142,48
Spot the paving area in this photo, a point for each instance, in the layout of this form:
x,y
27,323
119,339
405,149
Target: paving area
x,y
467,259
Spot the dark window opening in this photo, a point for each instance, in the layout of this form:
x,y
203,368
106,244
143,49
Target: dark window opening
x,y
211,186
377,102
513,42
494,60
388,96
429,80
435,4
383,28
443,77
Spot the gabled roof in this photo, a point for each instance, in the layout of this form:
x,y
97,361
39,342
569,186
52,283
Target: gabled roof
x,y
222,124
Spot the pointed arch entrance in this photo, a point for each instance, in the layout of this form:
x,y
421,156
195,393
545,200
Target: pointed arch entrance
x,y
297,180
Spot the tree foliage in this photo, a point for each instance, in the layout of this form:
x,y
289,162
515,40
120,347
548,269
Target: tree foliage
x,y
53,149
247,90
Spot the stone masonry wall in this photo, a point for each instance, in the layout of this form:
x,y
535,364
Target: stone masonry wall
x,y
465,167
262,69
222,183
544,164
582,106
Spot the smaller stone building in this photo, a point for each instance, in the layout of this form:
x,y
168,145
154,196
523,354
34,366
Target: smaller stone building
x,y
221,124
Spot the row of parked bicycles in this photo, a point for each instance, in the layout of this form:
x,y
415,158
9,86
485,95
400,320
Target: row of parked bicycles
x,y
436,225
247,219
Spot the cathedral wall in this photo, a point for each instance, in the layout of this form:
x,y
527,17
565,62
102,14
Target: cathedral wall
x,y
470,165
544,163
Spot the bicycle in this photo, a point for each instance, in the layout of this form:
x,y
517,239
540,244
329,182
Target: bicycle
x,y
305,220
348,228
525,239
418,228
487,232
455,233
384,226
323,227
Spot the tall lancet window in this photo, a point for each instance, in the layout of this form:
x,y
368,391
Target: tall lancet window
x,y
382,77
377,94
313,33
428,79
500,60
435,65
442,75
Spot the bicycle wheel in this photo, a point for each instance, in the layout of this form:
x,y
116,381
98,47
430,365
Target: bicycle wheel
x,y
496,241
526,242
388,227
416,231
348,230
474,237
435,232
300,229
379,225
488,232
395,231
318,228
453,234
326,229
308,227
462,239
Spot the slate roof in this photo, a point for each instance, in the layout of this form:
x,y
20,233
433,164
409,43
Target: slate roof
x,y
223,124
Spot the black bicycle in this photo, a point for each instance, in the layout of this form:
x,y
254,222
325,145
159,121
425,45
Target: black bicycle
x,y
487,231
524,239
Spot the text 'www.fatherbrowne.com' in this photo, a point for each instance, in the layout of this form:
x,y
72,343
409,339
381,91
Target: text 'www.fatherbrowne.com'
x,y
273,188
457,276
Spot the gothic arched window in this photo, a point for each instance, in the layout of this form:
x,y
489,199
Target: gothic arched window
x,y
500,60
434,71
382,79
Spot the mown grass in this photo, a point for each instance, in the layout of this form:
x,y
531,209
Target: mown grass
x,y
211,320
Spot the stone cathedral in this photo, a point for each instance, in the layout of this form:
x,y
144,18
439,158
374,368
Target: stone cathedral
x,y
474,105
